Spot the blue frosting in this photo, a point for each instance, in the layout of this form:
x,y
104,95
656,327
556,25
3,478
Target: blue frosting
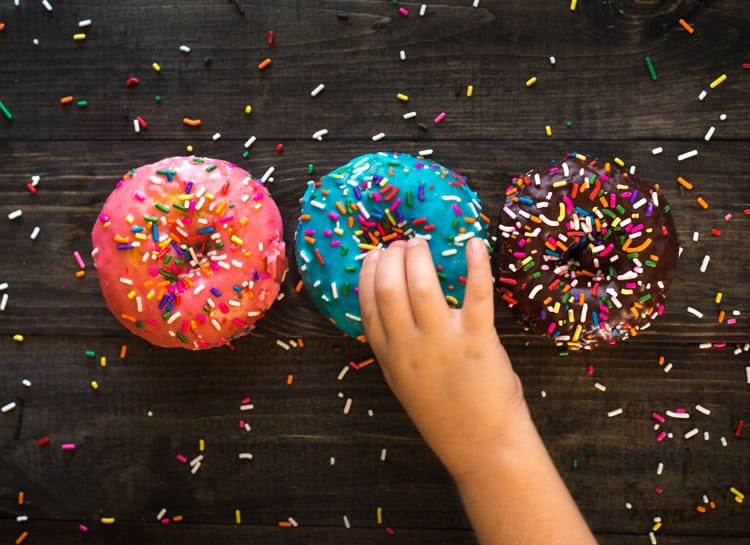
x,y
370,201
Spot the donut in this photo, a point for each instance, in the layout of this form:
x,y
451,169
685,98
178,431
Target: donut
x,y
189,252
586,252
368,203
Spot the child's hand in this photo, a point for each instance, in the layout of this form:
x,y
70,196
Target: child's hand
x,y
446,366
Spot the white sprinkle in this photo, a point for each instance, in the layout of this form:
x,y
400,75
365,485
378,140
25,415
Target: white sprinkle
x,y
723,117
348,405
245,456
35,41
318,135
126,281
599,386
3,286
346,519
695,312
409,115
216,136
377,137
543,393
249,142
425,152
536,289
35,180
22,518
668,367
704,263
476,3
702,409
34,233
195,468
15,214
247,407
660,468
674,414
317,204
161,513
692,433
185,48
422,10
26,382
353,317
47,5
687,155
628,505
3,302
696,236
709,133
702,94
615,412
267,174
315,92
706,436
402,55
652,538
383,453
723,441
282,344
84,23
552,60
703,346
8,407
174,317
292,522
446,253
343,372
332,461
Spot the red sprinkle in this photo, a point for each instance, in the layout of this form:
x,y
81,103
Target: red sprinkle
x,y
141,122
132,81
746,65
43,441
715,232
31,187
738,428
279,147
270,37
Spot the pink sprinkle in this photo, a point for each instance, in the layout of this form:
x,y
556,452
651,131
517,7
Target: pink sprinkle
x,y
731,321
80,262
245,400
657,416
456,209
181,458
83,528
389,531
440,117
242,423
590,370
140,196
68,446
165,520
103,218
226,219
661,436
403,11
719,345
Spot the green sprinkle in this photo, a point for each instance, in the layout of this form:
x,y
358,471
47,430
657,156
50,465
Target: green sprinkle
x,y
168,275
574,463
82,103
209,168
310,168
620,209
245,154
151,219
409,199
442,275
219,245
157,98
164,208
167,259
345,288
180,336
568,124
537,274
667,207
90,354
182,207
563,354
650,67
650,263
344,250
350,268
140,323
632,255
528,266
166,315
198,160
644,298
6,111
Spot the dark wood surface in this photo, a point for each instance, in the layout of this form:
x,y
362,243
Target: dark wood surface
x,y
156,403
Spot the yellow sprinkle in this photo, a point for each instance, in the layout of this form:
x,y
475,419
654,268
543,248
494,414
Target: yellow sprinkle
x,y
573,4
367,247
718,297
548,130
531,81
620,162
201,445
103,361
108,520
237,516
189,148
655,527
236,239
156,67
736,492
402,97
451,300
718,81
79,37
248,109
380,515
560,183
94,385
18,338
469,90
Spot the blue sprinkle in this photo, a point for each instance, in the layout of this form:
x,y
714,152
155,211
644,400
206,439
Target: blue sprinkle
x,y
595,319
136,229
216,292
582,211
206,230
154,232
189,186
525,200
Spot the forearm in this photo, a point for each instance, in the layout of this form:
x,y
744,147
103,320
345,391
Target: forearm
x,y
514,495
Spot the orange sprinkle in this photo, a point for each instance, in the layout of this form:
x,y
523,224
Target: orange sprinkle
x,y
304,217
123,351
264,63
20,539
700,508
722,314
80,274
661,360
298,287
127,317
300,342
684,183
20,497
702,202
66,100
341,208
289,378
191,122
2,26
177,518
285,524
365,363
684,24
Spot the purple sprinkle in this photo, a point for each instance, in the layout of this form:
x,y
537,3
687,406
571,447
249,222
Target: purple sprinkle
x,y
125,246
216,292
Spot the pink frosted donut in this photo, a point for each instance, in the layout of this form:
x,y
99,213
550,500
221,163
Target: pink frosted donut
x,y
189,251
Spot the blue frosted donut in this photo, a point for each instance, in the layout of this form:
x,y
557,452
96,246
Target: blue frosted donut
x,y
369,202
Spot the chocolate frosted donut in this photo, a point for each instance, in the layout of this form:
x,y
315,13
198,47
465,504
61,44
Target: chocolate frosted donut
x,y
586,252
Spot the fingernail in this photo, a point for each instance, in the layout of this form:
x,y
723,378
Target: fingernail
x,y
414,241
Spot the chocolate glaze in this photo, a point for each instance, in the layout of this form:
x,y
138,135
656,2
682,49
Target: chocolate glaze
x,y
585,252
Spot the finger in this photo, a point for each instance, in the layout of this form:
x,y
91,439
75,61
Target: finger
x,y
478,307
367,303
425,294
391,293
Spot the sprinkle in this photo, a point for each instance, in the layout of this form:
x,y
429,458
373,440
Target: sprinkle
x,y
191,122
425,152
439,117
718,81
709,133
79,36
573,4
68,446
15,214
409,115
657,150
692,433
185,48
701,409
684,183
695,312
8,407
687,155
704,263
264,64
702,202
22,537
600,387
548,130
684,24
470,91
531,81
315,92
156,67
402,55
318,135
702,95
348,405
47,5
249,142
422,10
615,412
4,302
245,456
18,338
378,137
66,99
650,67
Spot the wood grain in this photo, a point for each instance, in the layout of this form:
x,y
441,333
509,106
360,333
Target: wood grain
x,y
157,404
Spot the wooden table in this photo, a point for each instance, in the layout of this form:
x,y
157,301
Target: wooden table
x,y
315,467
